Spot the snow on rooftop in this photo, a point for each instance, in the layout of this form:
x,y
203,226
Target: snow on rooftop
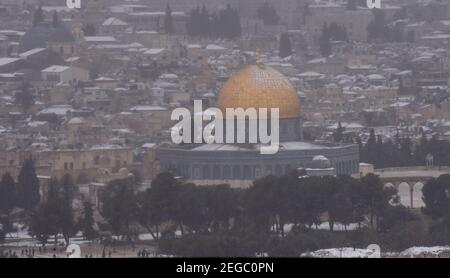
x,y
31,52
140,108
100,39
56,68
375,77
193,46
436,37
72,59
283,146
60,110
169,76
310,74
112,21
36,123
317,61
105,147
8,60
400,104
154,51
103,78
148,145
75,120
214,47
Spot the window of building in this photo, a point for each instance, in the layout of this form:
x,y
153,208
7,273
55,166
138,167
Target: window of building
x,y
216,172
236,172
206,174
197,172
257,171
247,173
226,172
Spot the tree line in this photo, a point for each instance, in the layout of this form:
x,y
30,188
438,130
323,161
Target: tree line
x,y
222,24
379,30
189,220
45,218
171,205
268,14
403,151
243,222
329,33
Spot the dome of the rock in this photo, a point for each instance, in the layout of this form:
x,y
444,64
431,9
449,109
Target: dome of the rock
x,y
259,86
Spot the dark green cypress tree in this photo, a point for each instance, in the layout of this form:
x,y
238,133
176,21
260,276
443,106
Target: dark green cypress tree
x,y
338,135
168,21
285,48
7,193
55,20
379,162
38,16
28,186
324,42
87,223
67,224
371,147
45,221
204,22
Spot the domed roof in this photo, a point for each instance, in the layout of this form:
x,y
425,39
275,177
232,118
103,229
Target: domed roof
x,y
320,162
259,86
40,35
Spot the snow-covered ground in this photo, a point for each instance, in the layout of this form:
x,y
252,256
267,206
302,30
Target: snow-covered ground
x,y
413,252
426,251
21,239
326,226
347,252
339,226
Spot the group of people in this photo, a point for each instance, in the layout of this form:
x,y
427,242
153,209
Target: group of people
x,y
8,254
24,253
28,252
60,252
143,253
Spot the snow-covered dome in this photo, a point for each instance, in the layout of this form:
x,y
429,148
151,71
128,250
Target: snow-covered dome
x,y
320,162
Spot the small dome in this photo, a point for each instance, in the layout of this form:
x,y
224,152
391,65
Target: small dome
x,y
320,162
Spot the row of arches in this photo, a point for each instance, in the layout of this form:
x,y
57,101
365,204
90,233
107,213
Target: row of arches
x,y
237,172
410,193
347,167
246,171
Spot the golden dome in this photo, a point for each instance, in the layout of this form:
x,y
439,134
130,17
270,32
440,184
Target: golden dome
x,y
259,86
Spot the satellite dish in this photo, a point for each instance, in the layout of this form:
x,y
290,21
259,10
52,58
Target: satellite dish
x,y
376,251
74,251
